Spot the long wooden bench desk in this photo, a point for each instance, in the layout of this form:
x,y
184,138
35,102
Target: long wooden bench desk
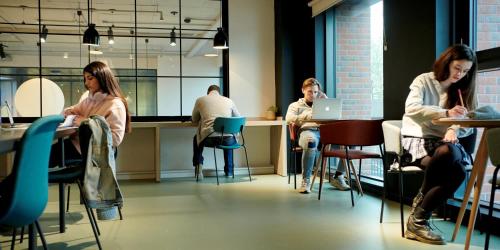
x,y
167,145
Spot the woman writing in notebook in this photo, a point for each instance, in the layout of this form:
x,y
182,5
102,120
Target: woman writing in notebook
x,y
447,91
105,99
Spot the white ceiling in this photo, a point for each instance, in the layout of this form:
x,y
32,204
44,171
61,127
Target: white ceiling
x,y
204,15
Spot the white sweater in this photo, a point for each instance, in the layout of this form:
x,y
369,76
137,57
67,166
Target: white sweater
x,y
426,101
299,113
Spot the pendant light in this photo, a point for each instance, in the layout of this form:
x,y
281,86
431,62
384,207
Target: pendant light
x,y
220,38
91,36
111,37
3,56
172,38
43,36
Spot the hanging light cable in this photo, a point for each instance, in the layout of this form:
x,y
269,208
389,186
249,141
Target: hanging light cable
x,y
220,38
173,41
91,36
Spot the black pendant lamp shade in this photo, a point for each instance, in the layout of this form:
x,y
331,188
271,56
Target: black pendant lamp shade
x,y
220,39
91,36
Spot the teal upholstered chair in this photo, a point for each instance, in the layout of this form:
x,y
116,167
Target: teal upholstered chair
x,y
232,126
24,192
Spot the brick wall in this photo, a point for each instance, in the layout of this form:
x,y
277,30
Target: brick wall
x,y
354,86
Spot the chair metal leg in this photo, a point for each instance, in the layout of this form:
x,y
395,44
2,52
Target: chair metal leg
x,y
490,209
216,171
94,219
248,165
289,167
40,232
67,198
401,203
323,162
120,212
295,170
22,235
384,177
329,170
62,219
92,222
350,179
31,237
13,241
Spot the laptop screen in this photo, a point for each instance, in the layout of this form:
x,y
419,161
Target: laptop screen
x,y
327,109
9,113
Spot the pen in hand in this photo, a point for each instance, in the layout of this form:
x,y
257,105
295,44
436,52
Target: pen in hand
x,y
461,99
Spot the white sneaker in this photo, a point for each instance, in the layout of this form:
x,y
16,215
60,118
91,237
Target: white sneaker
x,y
305,187
340,183
199,172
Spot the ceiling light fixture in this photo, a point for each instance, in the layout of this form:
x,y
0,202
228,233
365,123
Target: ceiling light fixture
x,y
2,52
172,38
211,55
43,36
91,36
65,56
111,37
96,52
220,38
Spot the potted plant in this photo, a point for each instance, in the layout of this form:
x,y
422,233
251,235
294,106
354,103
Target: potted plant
x,y
271,112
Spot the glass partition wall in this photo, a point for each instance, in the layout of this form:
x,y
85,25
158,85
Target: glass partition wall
x,y
160,51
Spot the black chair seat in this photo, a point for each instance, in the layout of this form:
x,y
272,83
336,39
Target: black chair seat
x,y
68,174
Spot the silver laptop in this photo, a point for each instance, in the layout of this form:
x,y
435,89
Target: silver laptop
x,y
11,119
327,109
9,113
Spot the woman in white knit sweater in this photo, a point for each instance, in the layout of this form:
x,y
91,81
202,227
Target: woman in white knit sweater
x,y
448,91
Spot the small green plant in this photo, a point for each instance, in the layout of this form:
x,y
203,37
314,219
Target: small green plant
x,y
273,109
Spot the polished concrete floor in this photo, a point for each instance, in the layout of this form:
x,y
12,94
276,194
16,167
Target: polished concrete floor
x,y
264,214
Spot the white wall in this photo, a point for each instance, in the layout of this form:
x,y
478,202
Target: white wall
x,y
251,55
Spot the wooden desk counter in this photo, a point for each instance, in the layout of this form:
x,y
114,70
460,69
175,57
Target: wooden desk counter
x,y
277,141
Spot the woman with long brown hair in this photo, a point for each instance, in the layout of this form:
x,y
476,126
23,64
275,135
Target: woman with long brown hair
x,y
105,98
447,91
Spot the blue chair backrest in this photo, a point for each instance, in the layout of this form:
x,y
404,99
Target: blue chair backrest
x,y
230,125
30,173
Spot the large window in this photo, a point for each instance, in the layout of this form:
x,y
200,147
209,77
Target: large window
x,y
488,80
161,51
354,64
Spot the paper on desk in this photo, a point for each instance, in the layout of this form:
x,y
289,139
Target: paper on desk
x,y
484,113
68,122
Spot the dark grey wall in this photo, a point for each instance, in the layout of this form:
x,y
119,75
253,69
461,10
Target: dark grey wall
x,y
294,45
411,46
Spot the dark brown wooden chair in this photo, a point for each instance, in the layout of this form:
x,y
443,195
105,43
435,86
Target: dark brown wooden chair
x,y
349,134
